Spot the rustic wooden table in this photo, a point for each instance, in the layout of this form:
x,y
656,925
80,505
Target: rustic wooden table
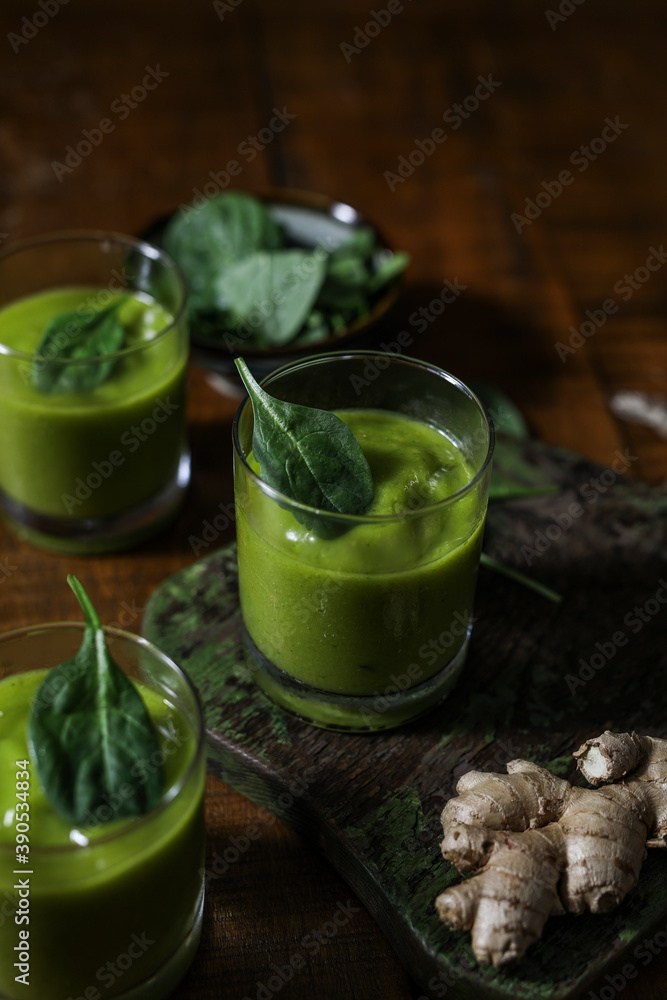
x,y
516,152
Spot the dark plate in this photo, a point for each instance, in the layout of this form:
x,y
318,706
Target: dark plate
x,y
308,220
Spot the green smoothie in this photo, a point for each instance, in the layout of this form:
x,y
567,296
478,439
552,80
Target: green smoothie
x,y
95,911
92,454
386,604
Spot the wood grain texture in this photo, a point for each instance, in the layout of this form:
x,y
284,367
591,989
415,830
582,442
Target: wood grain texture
x,y
524,290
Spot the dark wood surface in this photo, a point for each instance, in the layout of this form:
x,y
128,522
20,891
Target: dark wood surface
x,y
356,114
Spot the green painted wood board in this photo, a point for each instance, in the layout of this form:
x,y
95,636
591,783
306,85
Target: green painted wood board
x,y
533,687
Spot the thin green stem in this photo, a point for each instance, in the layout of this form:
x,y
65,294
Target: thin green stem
x,y
514,574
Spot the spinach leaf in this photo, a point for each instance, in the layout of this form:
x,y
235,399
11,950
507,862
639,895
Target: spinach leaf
x,y
89,731
513,475
388,268
205,239
271,293
308,454
505,415
359,243
344,288
78,337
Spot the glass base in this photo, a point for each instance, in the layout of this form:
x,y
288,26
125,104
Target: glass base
x,y
353,713
89,536
164,982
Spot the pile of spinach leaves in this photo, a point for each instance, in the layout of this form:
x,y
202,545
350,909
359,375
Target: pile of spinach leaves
x,y
249,285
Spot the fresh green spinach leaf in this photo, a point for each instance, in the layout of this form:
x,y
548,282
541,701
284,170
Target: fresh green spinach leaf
x,y
88,341
348,271
389,267
359,242
514,476
505,415
345,287
89,730
308,454
206,239
271,293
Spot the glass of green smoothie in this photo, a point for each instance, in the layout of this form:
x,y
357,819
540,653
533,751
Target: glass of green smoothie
x,y
362,622
93,356
107,909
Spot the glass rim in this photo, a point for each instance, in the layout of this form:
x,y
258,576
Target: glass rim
x,y
342,355
133,823
96,236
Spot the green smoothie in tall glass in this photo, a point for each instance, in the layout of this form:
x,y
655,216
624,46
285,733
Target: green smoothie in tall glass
x,y
92,427
98,910
316,604
366,624
91,454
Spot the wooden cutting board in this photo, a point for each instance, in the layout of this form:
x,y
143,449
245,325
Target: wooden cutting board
x,y
541,677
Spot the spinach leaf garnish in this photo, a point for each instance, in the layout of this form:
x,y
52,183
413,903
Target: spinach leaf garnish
x,y
206,239
89,731
78,336
308,454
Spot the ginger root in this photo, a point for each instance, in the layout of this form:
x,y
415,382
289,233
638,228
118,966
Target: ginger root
x,y
538,845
